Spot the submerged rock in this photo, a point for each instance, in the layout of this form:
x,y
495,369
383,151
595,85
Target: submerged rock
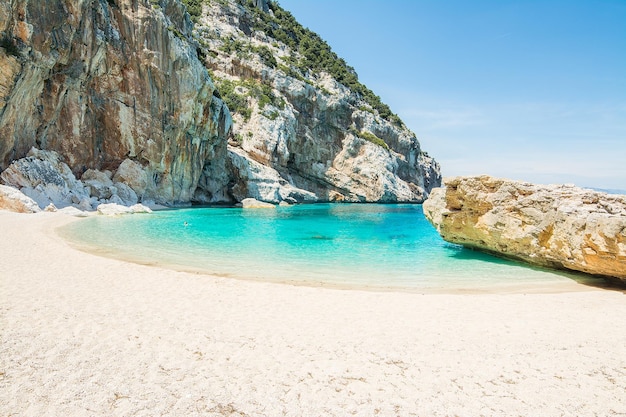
x,y
559,226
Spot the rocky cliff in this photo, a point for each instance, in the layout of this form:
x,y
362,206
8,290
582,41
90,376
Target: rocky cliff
x,y
557,226
305,129
104,81
120,90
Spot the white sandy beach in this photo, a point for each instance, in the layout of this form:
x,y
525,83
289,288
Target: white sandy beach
x,y
83,335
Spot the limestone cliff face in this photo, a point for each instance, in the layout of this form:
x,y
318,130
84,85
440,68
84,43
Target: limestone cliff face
x,y
107,81
555,226
311,132
121,91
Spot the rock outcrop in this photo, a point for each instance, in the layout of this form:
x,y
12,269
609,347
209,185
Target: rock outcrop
x,y
103,82
314,133
559,226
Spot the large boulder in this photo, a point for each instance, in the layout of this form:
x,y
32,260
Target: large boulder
x,y
103,188
113,209
12,199
560,226
132,174
99,184
44,177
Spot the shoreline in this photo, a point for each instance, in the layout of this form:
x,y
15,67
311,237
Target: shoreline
x,y
555,281
88,335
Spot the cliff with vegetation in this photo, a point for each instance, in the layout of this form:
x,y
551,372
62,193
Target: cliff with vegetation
x,y
305,128
201,101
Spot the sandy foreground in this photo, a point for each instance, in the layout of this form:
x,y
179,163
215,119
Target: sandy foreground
x,y
83,335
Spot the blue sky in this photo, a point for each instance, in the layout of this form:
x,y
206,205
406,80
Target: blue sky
x,y
530,90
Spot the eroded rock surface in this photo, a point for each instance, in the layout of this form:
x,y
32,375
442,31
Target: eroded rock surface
x,y
558,226
102,82
314,136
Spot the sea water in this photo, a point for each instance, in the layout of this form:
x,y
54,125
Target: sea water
x,y
346,245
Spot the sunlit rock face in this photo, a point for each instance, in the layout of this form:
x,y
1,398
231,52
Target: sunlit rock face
x,y
121,87
559,226
101,82
311,132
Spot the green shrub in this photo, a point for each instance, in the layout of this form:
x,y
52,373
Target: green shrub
x,y
370,137
316,54
267,57
194,8
236,102
273,115
176,32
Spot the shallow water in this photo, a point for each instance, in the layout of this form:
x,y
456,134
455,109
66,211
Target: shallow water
x,y
379,246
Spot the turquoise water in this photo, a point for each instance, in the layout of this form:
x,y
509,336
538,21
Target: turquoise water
x,y
381,246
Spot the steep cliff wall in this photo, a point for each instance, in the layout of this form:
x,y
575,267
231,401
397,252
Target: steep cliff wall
x,y
103,81
556,226
299,110
121,88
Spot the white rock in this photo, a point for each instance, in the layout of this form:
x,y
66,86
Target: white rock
x,y
73,211
126,194
101,177
132,174
99,184
115,199
140,208
251,203
45,178
13,200
112,209
85,204
263,183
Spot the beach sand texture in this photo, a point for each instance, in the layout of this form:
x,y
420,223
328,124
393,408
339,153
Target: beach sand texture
x,y
83,335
